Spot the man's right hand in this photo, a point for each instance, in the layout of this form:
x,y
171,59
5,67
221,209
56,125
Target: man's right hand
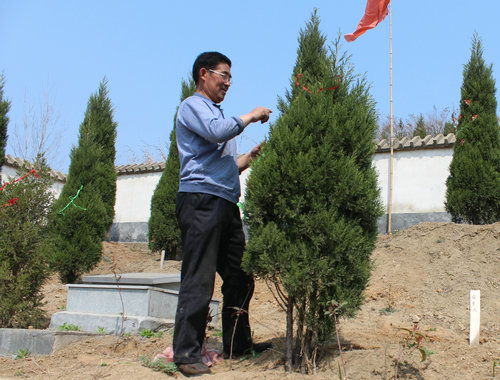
x,y
257,114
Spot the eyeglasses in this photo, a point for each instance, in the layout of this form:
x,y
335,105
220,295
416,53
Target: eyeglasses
x,y
225,77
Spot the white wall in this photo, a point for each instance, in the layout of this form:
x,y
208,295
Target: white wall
x,y
133,197
419,179
419,190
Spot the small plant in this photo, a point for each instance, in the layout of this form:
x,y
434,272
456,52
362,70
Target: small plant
x,y
159,365
68,327
410,342
22,354
440,240
495,363
388,310
218,332
63,307
147,333
101,330
19,373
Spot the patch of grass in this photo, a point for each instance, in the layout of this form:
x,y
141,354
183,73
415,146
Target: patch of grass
x,y
147,333
218,332
68,327
159,365
388,310
22,354
101,330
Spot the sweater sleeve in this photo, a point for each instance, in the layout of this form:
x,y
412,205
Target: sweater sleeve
x,y
200,118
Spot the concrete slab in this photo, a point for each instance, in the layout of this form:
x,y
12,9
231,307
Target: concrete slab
x,y
111,323
170,281
38,342
147,301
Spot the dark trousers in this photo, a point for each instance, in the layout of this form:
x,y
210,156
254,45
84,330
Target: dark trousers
x,y
212,240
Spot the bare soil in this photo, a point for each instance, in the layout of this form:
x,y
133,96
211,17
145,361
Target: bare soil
x,y
423,274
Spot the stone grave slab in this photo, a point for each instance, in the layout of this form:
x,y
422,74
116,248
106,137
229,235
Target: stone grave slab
x,y
146,299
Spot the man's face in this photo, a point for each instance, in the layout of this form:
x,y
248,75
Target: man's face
x,y
216,85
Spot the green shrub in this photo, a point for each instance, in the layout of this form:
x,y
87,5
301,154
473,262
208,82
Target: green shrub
x,y
25,245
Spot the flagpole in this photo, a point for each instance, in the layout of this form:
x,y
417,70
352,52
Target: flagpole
x,y
392,122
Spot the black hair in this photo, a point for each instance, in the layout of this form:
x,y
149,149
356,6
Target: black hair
x,y
208,60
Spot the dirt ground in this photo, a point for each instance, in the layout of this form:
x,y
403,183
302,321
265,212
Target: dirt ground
x,y
423,274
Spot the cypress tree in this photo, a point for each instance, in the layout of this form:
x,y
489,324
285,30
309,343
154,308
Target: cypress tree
x,y
80,224
420,127
164,233
4,120
473,186
25,246
312,201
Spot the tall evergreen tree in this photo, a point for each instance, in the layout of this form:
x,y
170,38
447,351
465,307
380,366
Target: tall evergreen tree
x,y
92,176
420,127
164,233
312,201
473,186
4,120
25,246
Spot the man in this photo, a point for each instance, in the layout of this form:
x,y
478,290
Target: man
x,y
209,219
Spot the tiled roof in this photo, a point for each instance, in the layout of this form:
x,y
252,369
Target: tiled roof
x,y
141,168
428,142
383,146
18,162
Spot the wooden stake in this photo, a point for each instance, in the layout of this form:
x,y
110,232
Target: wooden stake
x,y
475,314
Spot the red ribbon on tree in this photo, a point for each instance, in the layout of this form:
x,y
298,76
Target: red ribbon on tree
x,y
12,202
321,89
17,180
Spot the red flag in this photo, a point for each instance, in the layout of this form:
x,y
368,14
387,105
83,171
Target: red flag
x,y
375,12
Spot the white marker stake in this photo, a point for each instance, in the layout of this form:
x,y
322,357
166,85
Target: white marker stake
x,y
162,258
475,316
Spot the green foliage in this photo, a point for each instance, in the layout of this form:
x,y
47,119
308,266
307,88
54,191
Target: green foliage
x,y
68,327
25,245
420,128
79,233
312,201
4,120
147,333
473,186
164,233
22,354
159,365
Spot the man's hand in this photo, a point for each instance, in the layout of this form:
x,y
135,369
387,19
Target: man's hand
x,y
245,159
257,114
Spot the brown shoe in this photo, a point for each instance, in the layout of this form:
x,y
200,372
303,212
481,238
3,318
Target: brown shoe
x,y
193,369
